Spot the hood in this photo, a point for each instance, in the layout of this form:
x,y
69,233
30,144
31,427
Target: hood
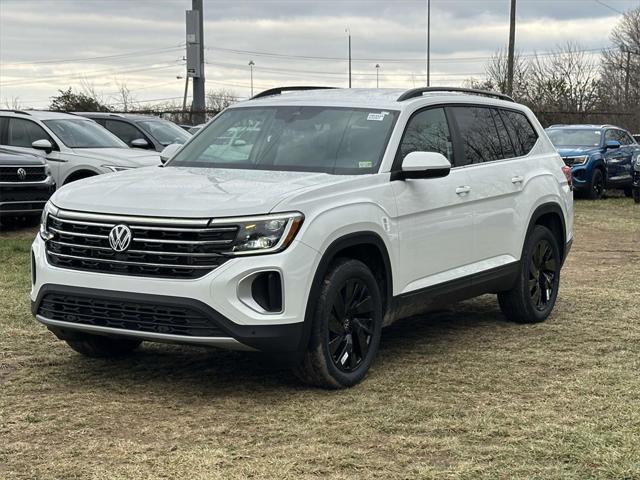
x,y
186,192
577,151
126,157
8,157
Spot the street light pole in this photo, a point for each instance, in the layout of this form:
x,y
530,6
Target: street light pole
x,y
251,64
348,30
428,42
377,73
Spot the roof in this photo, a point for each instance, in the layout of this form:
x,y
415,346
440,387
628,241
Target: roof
x,y
585,126
384,98
38,114
128,116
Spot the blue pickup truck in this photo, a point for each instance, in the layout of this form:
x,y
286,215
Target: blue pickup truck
x,y
600,156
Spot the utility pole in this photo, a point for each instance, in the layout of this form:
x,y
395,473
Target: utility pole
x,y
195,57
186,89
349,34
428,43
512,47
251,64
627,76
377,74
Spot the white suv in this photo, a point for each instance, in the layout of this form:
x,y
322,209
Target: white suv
x,y
74,147
330,214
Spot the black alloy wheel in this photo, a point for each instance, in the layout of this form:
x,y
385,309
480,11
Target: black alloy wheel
x,y
542,273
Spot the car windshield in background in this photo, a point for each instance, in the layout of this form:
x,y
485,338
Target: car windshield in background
x,y
164,131
83,134
579,137
287,138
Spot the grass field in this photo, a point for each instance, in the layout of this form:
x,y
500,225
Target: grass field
x,y
458,394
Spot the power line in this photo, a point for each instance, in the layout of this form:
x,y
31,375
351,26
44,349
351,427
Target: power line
x,y
609,7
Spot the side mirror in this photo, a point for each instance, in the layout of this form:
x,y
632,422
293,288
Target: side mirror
x,y
139,143
612,144
423,165
43,144
169,151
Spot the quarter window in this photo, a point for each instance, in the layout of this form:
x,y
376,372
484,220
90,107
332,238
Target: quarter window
x,y
521,131
479,135
427,131
22,133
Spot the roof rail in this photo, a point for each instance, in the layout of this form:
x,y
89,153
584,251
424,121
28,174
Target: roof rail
x,y
417,92
279,90
14,111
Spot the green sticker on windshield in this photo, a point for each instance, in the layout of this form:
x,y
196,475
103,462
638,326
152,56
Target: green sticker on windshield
x,y
365,164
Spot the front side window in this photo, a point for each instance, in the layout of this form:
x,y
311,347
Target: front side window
x,y
479,135
22,133
78,133
292,138
164,131
427,131
124,131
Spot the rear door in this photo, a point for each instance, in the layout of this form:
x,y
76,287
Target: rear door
x,y
496,143
434,218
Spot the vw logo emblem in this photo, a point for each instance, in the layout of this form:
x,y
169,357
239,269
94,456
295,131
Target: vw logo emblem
x,y
22,174
120,238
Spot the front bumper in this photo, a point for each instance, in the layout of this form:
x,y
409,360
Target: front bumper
x,y
218,296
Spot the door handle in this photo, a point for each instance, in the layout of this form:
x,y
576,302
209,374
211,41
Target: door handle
x,y
517,179
462,190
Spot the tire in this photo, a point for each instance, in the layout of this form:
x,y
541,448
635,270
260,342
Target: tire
x,y
342,346
528,301
596,187
636,195
628,192
97,346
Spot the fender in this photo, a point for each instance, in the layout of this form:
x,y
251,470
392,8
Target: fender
x,y
541,210
349,240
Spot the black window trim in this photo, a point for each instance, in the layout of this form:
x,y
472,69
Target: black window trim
x,y
456,138
142,132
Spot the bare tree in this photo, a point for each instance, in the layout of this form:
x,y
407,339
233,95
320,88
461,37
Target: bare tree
x,y
125,100
12,103
496,75
218,100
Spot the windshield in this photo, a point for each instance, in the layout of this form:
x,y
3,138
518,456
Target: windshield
x,y
164,131
578,137
318,139
78,133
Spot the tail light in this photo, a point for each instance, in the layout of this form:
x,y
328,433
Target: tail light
x,y
567,173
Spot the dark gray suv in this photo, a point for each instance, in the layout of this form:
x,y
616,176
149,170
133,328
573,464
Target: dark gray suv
x,y
140,131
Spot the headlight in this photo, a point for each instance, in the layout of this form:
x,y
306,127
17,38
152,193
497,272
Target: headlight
x,y
264,233
581,160
49,209
637,161
116,168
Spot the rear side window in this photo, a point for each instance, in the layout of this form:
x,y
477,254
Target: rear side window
x,y
520,130
479,135
22,133
427,131
124,131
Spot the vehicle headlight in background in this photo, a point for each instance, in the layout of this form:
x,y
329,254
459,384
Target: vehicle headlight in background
x,y
264,233
49,209
580,160
636,161
116,168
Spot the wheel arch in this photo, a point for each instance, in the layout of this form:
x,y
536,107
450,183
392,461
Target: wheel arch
x,y
366,246
550,215
79,174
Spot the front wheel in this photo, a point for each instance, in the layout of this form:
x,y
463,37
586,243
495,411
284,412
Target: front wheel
x,y
346,328
636,195
596,190
628,192
534,295
98,346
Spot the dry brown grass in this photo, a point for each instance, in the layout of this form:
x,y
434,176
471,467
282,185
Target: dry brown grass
x,y
458,394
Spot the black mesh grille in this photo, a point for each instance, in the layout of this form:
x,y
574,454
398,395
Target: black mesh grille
x,y
128,315
34,174
155,251
25,194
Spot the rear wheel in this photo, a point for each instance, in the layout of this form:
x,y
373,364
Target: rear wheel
x,y
636,195
98,346
347,322
628,192
596,190
533,297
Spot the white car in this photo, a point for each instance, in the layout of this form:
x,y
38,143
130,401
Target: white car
x,y
341,212
74,147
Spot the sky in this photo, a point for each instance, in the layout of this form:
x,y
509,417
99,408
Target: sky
x,y
47,45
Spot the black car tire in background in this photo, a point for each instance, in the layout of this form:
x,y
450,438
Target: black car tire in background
x,y
596,187
636,195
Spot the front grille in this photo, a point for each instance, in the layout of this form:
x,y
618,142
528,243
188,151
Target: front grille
x,y
128,315
25,193
34,174
169,250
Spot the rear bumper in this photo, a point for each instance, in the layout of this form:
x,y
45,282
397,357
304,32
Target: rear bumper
x,y
116,313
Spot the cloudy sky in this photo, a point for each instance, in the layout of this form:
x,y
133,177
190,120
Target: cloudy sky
x,y
46,45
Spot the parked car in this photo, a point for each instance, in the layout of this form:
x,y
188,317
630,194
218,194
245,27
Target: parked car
x,y
141,131
636,179
25,185
342,211
74,147
196,128
600,156
636,137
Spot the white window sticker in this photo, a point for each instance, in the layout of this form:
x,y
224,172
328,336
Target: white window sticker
x,y
365,164
378,117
